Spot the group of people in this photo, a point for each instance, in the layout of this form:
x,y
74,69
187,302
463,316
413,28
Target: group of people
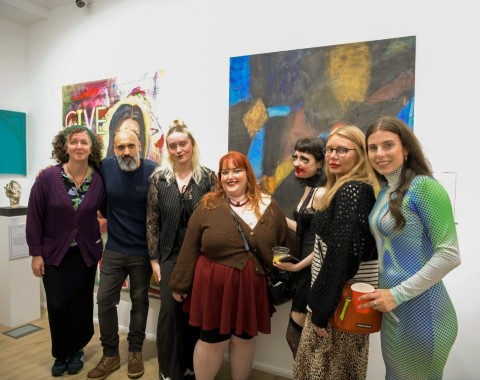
x,y
380,201
207,238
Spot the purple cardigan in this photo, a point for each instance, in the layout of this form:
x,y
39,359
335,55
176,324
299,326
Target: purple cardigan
x,y
53,224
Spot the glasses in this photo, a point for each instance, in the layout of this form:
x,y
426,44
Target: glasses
x,y
341,151
235,172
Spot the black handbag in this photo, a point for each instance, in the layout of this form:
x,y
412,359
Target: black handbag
x,y
278,285
278,281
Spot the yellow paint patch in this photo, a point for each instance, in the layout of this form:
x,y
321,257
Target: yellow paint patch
x,y
255,118
348,69
271,183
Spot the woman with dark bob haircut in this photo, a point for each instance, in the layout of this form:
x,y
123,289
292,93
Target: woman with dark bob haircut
x,y
412,222
63,237
308,159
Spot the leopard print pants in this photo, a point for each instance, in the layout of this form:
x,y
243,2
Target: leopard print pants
x,y
342,356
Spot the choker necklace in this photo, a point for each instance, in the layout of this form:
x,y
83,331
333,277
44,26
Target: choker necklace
x,y
313,181
238,203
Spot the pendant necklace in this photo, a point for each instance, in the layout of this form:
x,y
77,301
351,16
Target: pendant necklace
x,y
239,203
74,179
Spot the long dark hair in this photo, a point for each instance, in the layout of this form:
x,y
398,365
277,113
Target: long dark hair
x,y
415,162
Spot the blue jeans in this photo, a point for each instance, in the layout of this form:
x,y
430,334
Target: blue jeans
x,y
114,270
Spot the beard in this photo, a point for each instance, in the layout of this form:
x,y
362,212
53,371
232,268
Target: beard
x,y
128,163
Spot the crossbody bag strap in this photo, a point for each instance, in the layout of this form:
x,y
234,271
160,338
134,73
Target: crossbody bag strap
x,y
240,229
245,242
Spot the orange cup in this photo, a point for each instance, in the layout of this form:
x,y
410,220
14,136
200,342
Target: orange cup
x,y
358,290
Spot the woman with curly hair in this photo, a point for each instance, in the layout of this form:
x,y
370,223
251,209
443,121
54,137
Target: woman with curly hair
x,y
64,241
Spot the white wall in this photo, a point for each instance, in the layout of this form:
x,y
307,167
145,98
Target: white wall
x,y
122,37
13,89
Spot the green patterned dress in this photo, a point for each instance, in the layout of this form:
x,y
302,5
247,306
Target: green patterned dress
x,y
412,263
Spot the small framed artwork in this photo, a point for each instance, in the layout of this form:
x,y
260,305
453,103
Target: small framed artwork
x,y
13,130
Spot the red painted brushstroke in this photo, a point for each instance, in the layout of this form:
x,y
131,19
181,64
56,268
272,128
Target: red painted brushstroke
x,y
395,88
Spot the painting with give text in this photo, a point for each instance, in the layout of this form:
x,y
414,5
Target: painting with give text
x,y
99,104
278,98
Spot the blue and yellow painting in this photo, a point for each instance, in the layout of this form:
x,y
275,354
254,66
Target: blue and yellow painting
x,y
277,98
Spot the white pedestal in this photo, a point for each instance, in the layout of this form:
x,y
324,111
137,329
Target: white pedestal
x,y
19,288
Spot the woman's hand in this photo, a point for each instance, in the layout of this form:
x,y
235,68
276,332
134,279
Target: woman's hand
x,y
179,297
156,269
320,331
286,266
380,299
38,267
291,267
41,170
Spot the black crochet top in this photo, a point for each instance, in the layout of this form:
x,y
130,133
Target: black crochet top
x,y
344,229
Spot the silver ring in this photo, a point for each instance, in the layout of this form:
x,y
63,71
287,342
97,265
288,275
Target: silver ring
x,y
374,303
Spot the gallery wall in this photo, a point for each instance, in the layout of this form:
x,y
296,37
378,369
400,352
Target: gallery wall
x,y
13,88
191,42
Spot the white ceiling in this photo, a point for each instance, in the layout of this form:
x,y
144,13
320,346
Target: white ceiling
x,y
28,12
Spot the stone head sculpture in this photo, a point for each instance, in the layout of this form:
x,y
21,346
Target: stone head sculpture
x,y
13,190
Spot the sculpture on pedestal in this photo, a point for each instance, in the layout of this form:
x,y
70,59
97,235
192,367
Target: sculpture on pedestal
x,y
13,191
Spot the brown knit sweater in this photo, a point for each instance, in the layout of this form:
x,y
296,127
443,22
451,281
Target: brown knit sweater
x,y
213,232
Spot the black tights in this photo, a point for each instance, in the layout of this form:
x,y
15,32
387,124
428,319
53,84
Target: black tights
x,y
294,331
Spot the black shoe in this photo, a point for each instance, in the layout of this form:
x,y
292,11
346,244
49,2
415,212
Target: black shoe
x,y
75,365
59,368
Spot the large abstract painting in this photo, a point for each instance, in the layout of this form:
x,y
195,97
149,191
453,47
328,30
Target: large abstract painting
x,y
277,98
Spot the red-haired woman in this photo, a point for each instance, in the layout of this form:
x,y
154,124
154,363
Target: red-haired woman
x,y
223,283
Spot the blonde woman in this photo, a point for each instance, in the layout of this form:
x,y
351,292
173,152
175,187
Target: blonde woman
x,y
175,189
342,241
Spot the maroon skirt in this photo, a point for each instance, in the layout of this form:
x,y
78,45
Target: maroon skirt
x,y
229,299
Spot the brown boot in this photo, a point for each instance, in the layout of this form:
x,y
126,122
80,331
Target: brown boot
x,y
135,365
104,367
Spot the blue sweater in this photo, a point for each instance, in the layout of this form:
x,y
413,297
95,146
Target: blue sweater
x,y
126,206
53,224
